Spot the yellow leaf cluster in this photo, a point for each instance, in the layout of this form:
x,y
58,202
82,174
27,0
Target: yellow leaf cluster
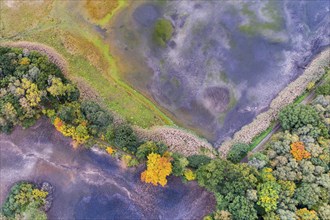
x,y
158,168
110,150
25,61
189,175
39,194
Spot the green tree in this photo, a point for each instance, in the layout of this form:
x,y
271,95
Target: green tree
x,y
241,208
297,116
195,161
150,147
179,163
237,152
268,195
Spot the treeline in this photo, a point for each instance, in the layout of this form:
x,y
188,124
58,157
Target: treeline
x,y
288,180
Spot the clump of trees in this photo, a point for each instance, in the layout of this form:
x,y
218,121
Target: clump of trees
x,y
25,201
29,83
290,179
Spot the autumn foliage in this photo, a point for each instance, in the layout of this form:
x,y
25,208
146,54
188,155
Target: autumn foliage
x,y
158,168
298,151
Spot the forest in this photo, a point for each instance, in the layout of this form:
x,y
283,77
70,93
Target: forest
x,y
289,179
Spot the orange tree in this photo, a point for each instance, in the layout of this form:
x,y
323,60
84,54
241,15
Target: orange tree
x,y
298,151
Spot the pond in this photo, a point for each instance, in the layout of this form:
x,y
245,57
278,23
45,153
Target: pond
x,y
226,60
90,184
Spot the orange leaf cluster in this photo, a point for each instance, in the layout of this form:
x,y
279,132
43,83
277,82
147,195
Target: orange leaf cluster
x,y
298,151
58,123
158,168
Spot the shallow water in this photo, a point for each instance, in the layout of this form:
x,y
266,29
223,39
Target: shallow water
x,y
250,51
90,184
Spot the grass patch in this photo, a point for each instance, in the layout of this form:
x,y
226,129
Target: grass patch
x,y
163,31
257,139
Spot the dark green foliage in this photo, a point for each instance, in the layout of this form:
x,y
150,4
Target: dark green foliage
x,y
98,118
324,89
179,164
230,183
296,116
311,196
163,31
66,113
242,208
150,147
237,152
195,161
123,137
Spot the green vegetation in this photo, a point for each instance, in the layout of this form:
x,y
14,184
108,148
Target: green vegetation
x,y
91,65
163,31
288,180
195,161
293,116
25,201
324,89
237,152
30,83
255,26
150,147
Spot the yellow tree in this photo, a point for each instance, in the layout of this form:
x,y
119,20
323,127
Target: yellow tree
x,y
158,168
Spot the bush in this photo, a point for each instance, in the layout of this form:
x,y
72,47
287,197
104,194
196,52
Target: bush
x,y
163,31
237,152
195,161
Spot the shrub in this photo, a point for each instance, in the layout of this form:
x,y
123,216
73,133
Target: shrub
x,y
163,31
195,161
237,152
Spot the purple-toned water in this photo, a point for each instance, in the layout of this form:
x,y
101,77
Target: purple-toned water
x,y
90,184
248,50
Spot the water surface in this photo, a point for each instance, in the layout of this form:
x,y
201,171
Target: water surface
x,y
90,184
